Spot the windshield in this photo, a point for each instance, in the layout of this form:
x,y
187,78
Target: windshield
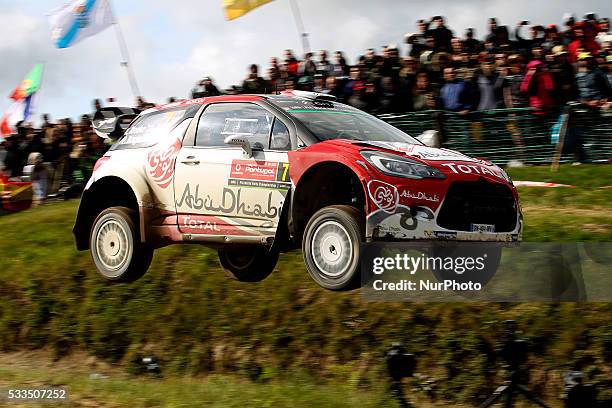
x,y
331,120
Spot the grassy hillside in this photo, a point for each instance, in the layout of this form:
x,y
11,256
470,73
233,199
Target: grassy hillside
x,y
198,321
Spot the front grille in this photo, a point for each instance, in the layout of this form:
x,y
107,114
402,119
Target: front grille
x,y
479,202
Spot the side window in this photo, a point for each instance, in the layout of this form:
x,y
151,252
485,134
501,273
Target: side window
x,y
280,139
242,119
152,128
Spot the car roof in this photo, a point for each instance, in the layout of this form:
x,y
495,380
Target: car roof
x,y
209,99
282,96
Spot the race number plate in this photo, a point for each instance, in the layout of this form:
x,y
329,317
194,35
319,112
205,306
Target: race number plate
x,y
482,227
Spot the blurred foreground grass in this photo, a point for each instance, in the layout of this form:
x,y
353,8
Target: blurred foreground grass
x,y
201,323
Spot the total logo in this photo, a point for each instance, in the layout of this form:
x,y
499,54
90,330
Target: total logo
x,y
384,195
472,169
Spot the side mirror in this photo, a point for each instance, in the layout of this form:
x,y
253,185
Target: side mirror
x,y
430,138
234,140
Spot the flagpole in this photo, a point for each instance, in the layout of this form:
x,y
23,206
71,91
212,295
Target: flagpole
x,y
125,55
297,15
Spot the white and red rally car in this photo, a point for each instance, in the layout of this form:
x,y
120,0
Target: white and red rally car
x,y
254,176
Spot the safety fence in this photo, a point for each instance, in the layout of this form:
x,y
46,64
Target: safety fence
x,y
570,133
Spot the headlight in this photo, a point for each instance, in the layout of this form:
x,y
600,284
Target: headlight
x,y
398,166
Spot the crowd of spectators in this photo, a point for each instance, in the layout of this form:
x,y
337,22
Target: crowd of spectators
x,y
531,65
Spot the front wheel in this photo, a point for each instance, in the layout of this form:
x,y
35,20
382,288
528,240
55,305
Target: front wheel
x,y
249,264
115,246
332,245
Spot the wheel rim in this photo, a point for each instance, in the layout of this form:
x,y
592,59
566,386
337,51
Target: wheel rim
x,y
332,249
112,245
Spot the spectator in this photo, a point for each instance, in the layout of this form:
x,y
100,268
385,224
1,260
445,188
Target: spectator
x,y
324,67
593,86
551,38
526,45
470,44
567,36
38,175
562,72
389,101
538,85
332,87
511,83
487,81
583,42
339,67
492,36
291,63
355,80
254,84
205,88
307,68
453,94
441,34
604,34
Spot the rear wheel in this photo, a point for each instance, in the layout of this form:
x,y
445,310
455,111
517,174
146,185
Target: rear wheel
x,y
248,264
115,246
332,245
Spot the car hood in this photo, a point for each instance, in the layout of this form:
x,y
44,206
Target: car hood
x,y
450,162
425,154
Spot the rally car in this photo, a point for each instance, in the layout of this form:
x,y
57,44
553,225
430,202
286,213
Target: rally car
x,y
254,176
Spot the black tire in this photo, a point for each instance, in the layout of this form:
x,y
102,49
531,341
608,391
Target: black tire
x,y
332,246
115,246
248,264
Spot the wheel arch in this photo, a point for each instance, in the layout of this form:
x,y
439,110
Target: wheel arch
x,y
324,183
106,192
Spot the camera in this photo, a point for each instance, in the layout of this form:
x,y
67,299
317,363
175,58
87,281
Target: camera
x,y
399,363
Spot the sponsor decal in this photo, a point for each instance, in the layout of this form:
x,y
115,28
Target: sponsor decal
x,y
231,203
270,175
208,225
473,169
419,195
445,234
161,164
384,195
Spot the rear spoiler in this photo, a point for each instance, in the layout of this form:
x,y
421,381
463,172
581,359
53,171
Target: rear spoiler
x,y
111,122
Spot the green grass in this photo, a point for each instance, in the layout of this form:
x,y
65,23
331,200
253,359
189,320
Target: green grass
x,y
200,323
110,386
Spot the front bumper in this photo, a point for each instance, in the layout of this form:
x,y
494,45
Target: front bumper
x,y
419,223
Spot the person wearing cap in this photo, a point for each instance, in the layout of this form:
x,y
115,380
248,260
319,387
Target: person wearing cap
x,y
593,85
563,76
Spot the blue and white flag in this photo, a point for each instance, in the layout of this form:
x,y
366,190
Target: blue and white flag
x,y
78,20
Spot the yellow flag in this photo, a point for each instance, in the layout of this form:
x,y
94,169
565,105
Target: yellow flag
x,y
238,8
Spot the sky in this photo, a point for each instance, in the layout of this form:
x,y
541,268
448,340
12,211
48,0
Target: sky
x,y
175,43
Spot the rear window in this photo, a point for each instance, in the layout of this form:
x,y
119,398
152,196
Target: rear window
x,y
147,130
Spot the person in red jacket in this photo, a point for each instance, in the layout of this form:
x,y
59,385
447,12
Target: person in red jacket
x,y
538,86
584,41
